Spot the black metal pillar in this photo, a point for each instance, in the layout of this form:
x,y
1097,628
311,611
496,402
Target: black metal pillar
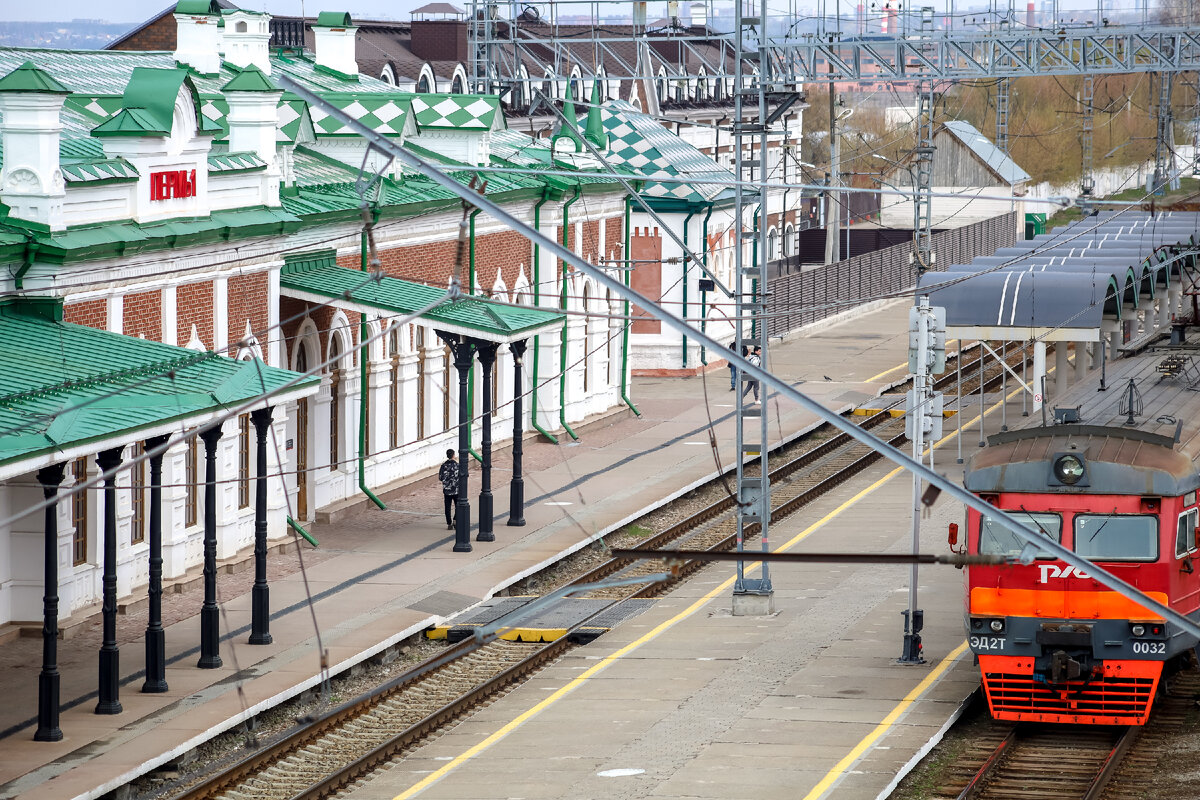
x,y
516,489
487,358
49,679
260,597
210,615
110,654
464,352
156,637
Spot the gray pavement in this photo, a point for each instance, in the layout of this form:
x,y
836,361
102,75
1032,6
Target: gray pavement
x,y
379,577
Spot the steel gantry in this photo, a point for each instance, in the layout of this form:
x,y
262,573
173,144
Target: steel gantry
x,y
1087,179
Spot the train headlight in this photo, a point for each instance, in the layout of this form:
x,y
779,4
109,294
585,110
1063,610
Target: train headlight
x,y
1138,630
997,625
1068,469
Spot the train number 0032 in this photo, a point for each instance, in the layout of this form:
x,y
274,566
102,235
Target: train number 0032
x,y
1150,648
988,643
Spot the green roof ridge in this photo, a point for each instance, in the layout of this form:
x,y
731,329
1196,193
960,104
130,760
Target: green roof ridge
x,y
198,7
31,78
131,122
595,125
569,127
250,79
334,19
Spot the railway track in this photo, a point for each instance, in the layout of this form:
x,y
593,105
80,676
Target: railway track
x,y
350,741
1068,762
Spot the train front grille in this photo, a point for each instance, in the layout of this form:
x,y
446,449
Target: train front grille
x,y
1109,700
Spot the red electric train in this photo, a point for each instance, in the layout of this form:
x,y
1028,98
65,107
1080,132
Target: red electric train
x,y
1114,479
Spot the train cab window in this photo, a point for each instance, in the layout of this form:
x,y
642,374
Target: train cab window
x,y
995,539
1185,533
1117,537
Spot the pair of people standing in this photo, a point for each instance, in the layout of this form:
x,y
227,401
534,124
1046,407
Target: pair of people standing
x,y
754,357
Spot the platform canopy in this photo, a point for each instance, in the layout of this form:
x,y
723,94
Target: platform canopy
x,y
317,278
69,390
1069,285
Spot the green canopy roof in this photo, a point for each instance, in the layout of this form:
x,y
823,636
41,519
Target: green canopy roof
x,y
29,78
317,277
68,390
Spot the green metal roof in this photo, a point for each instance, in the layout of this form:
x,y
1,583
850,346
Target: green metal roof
x,y
318,275
29,78
251,79
64,385
234,162
101,170
457,111
334,19
198,7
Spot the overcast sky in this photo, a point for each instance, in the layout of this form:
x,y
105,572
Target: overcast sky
x,y
138,10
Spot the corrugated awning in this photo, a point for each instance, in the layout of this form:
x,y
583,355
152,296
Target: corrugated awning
x,y
317,278
68,390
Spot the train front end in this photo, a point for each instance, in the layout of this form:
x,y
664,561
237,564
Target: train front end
x,y
1053,644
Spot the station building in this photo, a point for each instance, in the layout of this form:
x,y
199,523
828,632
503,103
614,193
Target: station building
x,y
183,301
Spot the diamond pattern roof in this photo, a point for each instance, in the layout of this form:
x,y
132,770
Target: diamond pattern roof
x,y
107,169
234,162
386,115
642,144
458,111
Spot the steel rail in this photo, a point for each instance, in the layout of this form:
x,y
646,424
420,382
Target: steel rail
x,y
1033,538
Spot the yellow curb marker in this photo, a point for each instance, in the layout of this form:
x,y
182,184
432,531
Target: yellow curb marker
x,y
663,627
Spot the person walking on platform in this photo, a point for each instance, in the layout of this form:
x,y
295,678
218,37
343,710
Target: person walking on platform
x,y
754,358
448,475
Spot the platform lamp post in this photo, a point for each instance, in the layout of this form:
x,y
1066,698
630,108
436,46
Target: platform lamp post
x,y
260,597
110,654
156,637
516,488
49,679
487,358
464,355
210,614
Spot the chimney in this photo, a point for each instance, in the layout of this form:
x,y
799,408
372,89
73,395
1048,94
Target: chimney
x,y
334,34
253,100
197,36
246,34
439,39
698,14
1030,16
32,184
860,19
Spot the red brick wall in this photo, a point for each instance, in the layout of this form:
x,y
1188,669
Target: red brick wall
x,y
591,240
433,263
248,296
93,313
646,276
143,315
158,35
195,306
614,236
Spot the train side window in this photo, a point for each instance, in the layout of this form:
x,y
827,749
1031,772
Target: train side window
x,y
995,539
1117,537
1185,534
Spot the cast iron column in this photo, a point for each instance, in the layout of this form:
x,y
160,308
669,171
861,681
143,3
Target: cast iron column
x,y
260,597
487,357
49,679
110,655
462,361
516,489
156,637
210,615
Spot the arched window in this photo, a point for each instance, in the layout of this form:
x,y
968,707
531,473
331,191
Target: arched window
x,y
447,372
772,244
457,86
335,402
423,84
420,347
394,388
240,27
789,237
388,75
587,344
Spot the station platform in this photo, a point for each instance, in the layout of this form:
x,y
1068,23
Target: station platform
x,y
379,577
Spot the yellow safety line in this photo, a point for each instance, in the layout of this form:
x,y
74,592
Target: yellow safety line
x,y
834,774
874,378
599,666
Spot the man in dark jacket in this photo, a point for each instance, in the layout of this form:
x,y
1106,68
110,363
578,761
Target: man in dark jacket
x,y
448,475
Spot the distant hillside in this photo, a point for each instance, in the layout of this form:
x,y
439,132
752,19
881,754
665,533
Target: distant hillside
x,y
78,34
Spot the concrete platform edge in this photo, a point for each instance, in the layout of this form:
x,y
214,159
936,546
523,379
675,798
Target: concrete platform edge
x,y
926,748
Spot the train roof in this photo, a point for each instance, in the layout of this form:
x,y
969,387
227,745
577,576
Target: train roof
x,y
1149,452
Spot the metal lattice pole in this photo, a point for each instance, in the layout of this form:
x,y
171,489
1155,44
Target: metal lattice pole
x,y
1164,153
1087,180
923,195
1002,91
